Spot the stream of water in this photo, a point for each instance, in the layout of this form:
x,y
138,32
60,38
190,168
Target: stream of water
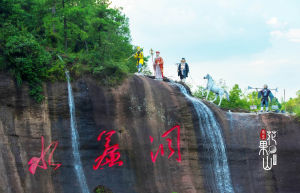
x,y
75,141
213,143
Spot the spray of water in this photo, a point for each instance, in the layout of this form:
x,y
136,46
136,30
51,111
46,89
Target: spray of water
x,y
75,141
214,143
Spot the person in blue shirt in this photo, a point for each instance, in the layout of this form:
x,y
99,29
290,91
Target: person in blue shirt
x,y
183,69
264,94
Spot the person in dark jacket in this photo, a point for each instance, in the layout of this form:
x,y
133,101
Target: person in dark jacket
x,y
264,94
183,69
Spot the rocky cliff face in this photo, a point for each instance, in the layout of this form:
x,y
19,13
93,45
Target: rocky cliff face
x,y
137,109
241,132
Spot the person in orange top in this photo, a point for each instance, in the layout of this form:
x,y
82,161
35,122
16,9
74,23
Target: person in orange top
x,y
158,66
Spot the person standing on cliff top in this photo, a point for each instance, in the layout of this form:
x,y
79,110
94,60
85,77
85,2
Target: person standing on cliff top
x,y
158,67
183,70
139,55
264,94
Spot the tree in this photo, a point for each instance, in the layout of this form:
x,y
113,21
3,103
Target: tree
x,y
237,101
293,105
28,61
91,37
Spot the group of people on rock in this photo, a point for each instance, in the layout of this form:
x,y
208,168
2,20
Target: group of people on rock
x,y
183,71
158,65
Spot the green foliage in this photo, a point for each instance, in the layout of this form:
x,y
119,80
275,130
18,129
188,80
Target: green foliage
x,y
56,71
27,60
276,102
253,99
237,100
201,93
90,37
145,69
293,105
102,189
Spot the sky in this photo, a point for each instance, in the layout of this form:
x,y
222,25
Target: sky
x,y
245,42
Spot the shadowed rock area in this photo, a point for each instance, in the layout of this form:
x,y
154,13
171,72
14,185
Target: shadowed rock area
x,y
139,108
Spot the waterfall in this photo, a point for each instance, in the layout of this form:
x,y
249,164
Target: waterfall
x,y
214,143
229,115
75,141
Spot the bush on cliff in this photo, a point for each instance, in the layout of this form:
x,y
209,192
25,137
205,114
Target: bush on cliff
x,y
26,60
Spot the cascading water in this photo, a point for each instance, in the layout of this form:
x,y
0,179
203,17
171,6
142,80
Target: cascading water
x,y
75,141
229,115
213,140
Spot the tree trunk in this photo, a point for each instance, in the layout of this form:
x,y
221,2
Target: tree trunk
x,y
65,25
86,46
53,15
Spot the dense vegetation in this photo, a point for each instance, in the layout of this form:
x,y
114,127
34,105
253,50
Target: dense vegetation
x,y
40,39
293,105
242,102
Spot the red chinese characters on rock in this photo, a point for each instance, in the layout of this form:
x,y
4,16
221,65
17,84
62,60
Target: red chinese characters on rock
x,y
161,148
34,161
110,155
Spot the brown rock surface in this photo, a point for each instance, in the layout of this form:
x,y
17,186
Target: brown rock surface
x,y
139,108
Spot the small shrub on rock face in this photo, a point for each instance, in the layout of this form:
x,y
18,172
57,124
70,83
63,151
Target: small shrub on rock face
x,y
102,189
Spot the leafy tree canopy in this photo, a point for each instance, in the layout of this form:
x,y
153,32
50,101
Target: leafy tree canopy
x,y
89,36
